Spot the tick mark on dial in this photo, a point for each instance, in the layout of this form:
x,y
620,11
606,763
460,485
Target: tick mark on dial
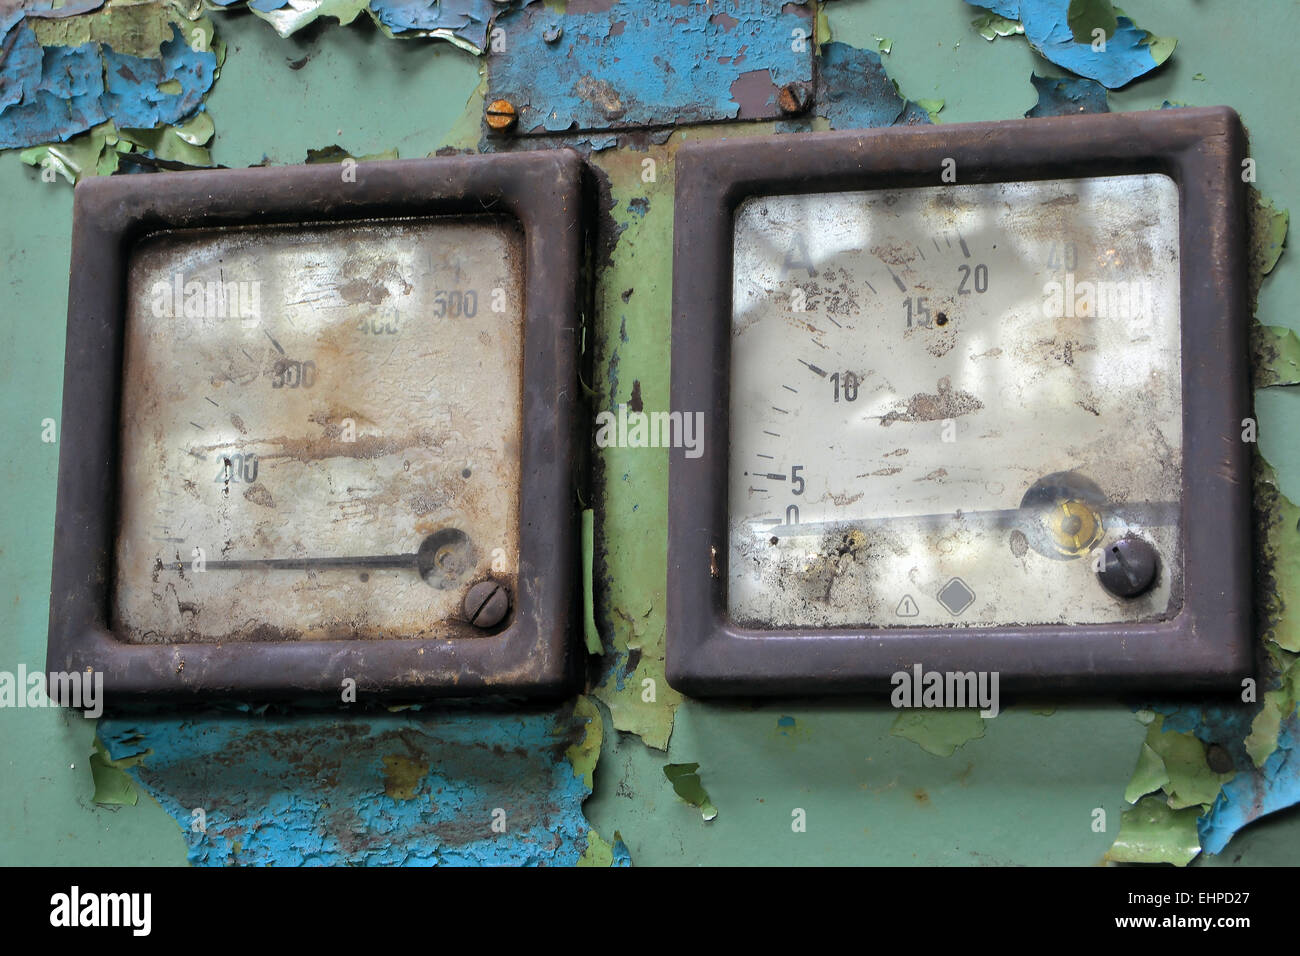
x,y
965,251
813,368
277,345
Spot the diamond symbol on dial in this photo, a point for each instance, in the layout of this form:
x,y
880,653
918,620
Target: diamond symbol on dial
x,y
956,596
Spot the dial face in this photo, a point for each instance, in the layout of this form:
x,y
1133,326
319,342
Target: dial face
x,y
320,429
950,405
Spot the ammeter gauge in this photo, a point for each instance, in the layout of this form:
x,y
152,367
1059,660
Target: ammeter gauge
x,y
977,396
321,427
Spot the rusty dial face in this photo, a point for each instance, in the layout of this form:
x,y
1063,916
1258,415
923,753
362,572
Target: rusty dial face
x,y
946,402
320,429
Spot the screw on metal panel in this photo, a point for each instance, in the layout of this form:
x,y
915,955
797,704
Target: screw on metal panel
x,y
1218,758
1129,567
794,98
486,604
553,33
501,115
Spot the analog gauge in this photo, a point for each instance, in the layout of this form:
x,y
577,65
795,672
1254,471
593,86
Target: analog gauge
x,y
946,402
974,397
320,429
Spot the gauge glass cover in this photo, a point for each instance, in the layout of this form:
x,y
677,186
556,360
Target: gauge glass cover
x,y
344,396
947,403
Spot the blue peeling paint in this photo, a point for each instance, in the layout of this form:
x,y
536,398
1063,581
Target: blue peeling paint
x,y
1047,28
622,856
1003,8
855,93
598,143
50,94
132,97
59,91
468,19
1252,794
310,789
638,64
1067,96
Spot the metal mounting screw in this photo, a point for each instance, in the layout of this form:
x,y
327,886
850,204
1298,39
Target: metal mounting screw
x,y
1219,759
501,115
794,98
486,604
553,33
1128,567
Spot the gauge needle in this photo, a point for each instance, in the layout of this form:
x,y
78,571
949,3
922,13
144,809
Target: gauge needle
x,y
443,555
1142,514
308,564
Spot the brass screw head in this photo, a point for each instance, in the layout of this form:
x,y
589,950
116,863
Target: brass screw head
x,y
501,115
794,98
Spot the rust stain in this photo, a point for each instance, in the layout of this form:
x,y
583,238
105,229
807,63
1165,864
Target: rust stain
x,y
944,403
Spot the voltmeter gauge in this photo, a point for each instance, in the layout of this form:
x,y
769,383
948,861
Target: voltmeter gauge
x,y
318,429
977,396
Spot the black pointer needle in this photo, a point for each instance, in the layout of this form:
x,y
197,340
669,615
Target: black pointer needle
x,y
1151,514
377,561
440,553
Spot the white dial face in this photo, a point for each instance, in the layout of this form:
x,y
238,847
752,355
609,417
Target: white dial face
x,y
949,403
320,429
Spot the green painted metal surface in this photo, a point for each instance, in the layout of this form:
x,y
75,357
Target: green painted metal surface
x,y
1024,792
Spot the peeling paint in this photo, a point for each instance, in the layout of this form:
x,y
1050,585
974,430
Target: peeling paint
x,y
854,91
52,93
1129,51
1277,356
409,788
1066,96
1272,787
1152,832
632,483
1268,231
628,64
686,784
113,786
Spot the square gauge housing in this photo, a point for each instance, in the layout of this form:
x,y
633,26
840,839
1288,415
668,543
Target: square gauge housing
x,y
321,423
974,401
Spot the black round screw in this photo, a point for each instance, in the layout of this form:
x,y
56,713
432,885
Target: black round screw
x,y
1129,567
486,604
1219,759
